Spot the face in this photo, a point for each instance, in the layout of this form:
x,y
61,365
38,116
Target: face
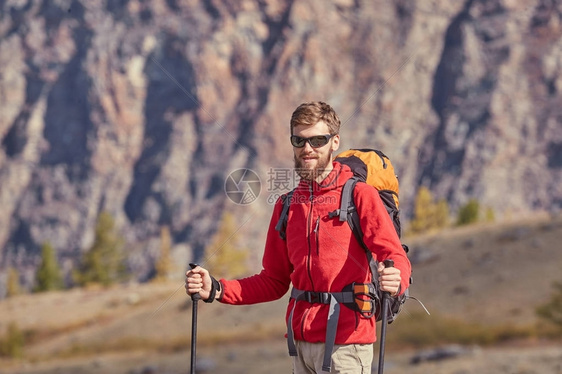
x,y
314,163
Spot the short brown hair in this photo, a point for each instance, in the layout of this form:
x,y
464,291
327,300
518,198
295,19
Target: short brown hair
x,y
309,114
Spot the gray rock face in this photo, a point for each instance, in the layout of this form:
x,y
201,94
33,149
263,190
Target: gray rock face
x,y
142,109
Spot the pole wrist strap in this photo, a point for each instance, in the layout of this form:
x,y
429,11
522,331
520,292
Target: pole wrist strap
x,y
215,286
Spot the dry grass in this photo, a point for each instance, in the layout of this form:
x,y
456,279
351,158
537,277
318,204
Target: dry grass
x,y
480,283
420,330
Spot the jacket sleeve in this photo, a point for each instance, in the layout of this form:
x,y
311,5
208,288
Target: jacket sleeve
x,y
378,231
274,279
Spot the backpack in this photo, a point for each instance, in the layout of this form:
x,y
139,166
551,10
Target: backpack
x,y
373,167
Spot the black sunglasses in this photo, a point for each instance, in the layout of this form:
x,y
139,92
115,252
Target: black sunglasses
x,y
314,141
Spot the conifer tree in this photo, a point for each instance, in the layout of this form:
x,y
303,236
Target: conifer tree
x,y
423,210
48,274
13,286
429,215
225,255
164,265
104,262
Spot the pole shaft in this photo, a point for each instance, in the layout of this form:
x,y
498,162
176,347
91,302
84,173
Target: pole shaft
x,y
384,321
194,298
194,334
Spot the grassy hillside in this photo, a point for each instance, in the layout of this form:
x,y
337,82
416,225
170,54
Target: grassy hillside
x,y
493,274
490,273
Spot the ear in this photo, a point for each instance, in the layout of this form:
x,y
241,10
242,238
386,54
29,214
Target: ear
x,y
335,142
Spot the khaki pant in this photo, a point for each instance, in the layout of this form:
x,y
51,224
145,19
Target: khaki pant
x,y
346,359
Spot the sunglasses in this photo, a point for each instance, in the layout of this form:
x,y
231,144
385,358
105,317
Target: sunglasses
x,y
314,141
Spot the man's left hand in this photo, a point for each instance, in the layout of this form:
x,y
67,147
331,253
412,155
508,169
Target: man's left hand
x,y
389,279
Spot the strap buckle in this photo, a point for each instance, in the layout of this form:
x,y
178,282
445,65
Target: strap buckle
x,y
317,297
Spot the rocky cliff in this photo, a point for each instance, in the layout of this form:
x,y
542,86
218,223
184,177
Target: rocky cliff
x,y
143,108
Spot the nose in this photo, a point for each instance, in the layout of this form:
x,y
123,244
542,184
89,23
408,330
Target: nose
x,y
307,147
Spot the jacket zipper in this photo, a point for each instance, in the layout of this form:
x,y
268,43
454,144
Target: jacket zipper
x,y
317,232
308,231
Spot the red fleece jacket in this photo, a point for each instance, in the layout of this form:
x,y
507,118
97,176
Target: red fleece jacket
x,y
321,254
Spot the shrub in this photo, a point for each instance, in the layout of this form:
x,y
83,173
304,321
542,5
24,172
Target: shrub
x,y
420,330
551,311
490,215
11,345
468,213
441,216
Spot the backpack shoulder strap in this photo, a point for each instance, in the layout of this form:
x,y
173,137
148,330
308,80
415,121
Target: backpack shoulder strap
x,y
348,210
347,204
281,225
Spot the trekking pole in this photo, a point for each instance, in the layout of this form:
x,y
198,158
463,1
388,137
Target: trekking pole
x,y
195,298
384,320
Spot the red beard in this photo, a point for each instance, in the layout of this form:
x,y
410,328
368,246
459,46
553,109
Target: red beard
x,y
311,173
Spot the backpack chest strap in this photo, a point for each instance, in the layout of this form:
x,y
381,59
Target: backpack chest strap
x,y
322,297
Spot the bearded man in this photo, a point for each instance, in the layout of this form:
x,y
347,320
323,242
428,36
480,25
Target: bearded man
x,y
319,255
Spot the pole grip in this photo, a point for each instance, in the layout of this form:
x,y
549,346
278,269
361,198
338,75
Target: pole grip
x,y
194,296
388,263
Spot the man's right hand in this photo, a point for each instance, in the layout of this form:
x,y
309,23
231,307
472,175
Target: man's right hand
x,y
198,280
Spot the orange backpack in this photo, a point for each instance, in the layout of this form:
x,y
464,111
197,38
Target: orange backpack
x,y
372,167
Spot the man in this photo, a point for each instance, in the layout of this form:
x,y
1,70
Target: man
x,y
319,255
